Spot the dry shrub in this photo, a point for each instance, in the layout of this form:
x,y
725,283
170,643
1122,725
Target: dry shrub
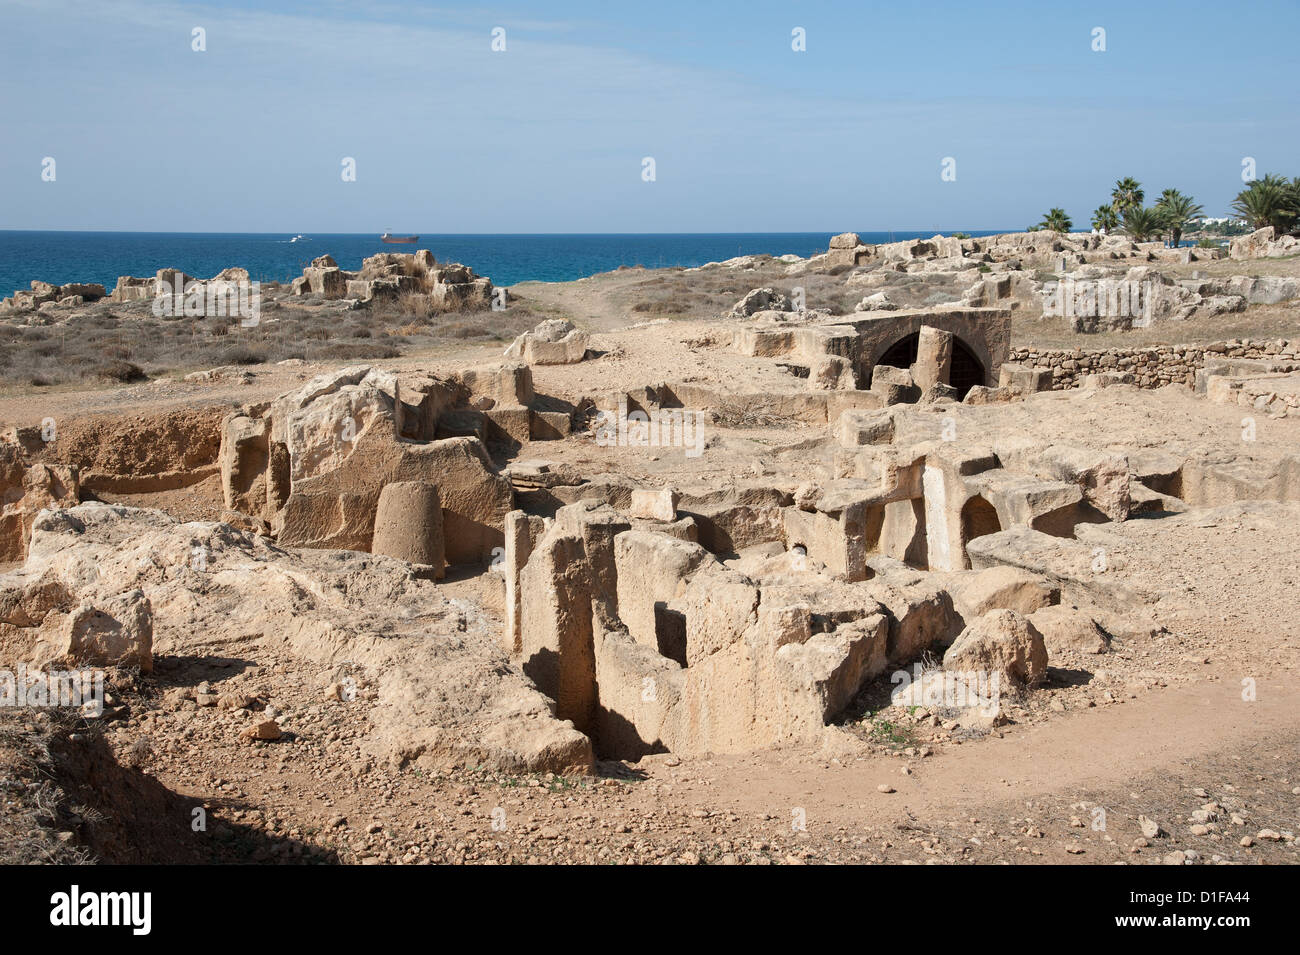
x,y
662,307
746,413
242,356
350,350
415,305
120,371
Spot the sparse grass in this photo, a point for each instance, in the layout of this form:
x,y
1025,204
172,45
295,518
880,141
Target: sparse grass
x,y
94,345
663,307
890,734
32,811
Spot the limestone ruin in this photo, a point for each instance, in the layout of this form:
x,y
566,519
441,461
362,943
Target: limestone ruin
x,y
668,540
926,507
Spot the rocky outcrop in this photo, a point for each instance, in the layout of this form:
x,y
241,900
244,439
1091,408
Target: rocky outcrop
x,y
1002,642
315,463
1263,243
103,582
553,342
761,300
116,630
47,294
25,492
388,276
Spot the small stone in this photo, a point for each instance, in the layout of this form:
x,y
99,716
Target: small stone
x,y
266,730
1150,828
886,788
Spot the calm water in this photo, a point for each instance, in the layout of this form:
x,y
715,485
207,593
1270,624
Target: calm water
x,y
63,257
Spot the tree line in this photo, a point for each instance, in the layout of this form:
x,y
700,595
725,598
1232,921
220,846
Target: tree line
x,y
1271,201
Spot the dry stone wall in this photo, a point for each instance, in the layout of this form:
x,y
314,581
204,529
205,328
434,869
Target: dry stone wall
x,y
1154,366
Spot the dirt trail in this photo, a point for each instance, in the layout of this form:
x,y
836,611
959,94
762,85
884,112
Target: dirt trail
x,y
597,303
1029,796
1094,749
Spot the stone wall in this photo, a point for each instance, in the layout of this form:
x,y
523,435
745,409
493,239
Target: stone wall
x,y
1150,367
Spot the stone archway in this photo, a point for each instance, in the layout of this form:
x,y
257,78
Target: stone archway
x,y
978,519
967,369
901,354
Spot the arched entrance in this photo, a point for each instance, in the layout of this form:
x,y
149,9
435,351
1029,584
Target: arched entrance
x,y
901,354
978,519
967,370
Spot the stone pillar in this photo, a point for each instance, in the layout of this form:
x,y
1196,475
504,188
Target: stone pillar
x,y
933,358
408,525
521,531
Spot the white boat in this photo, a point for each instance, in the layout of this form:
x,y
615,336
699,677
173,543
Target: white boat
x,y
300,238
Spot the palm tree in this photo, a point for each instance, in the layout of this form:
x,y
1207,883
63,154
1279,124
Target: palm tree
x,y
1142,223
1105,219
1271,201
1127,193
1056,220
1177,210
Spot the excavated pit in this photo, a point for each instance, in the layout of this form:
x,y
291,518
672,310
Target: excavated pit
x,y
882,504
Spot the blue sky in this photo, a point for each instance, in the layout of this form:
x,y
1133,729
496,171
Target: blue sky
x,y
549,135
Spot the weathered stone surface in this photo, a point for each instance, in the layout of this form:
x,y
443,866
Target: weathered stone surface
x,y
1103,478
445,696
933,357
761,300
895,385
1001,642
1027,380
408,524
553,342
655,505
1001,588
24,492
1067,629
245,455
116,631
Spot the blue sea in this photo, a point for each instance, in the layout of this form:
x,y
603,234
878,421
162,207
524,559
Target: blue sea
x,y
63,257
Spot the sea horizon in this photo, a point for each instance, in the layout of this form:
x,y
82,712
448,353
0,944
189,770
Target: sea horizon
x,y
102,256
